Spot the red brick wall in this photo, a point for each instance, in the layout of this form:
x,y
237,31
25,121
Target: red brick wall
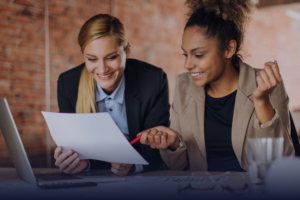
x,y
273,35
154,28
22,73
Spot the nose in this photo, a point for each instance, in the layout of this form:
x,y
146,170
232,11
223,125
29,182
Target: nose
x,y
188,64
103,68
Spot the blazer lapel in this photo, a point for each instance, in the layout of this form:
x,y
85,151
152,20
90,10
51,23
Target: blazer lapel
x,y
194,116
132,103
243,108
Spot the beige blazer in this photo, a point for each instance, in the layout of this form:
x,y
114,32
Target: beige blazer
x,y
188,121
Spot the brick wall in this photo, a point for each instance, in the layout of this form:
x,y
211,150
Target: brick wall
x,y
154,28
22,73
273,35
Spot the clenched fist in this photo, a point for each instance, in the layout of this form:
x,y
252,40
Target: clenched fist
x,y
268,78
160,137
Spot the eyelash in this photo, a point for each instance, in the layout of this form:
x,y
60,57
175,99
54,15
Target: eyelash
x,y
111,58
197,56
93,60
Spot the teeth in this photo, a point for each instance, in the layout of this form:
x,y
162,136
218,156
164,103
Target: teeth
x,y
104,76
196,74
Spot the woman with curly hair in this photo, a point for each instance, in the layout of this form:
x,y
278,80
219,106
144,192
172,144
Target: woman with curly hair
x,y
221,101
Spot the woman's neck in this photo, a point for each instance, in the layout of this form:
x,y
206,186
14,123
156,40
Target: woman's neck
x,y
226,84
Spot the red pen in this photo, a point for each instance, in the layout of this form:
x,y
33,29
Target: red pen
x,y
135,140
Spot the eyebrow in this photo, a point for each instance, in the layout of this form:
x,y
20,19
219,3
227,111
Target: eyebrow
x,y
193,49
105,56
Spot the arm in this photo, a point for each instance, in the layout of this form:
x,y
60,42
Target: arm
x,y
167,140
64,103
271,107
67,161
157,116
174,157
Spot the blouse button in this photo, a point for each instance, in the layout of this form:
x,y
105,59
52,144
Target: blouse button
x,y
110,110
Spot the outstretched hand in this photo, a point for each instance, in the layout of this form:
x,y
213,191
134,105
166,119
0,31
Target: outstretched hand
x,y
160,137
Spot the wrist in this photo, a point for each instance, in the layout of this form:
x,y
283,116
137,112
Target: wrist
x,y
175,145
132,169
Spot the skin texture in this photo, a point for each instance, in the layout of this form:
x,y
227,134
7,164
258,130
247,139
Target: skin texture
x,y
110,58
219,77
102,56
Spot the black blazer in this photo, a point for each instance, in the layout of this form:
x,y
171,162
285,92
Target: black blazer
x,y
147,103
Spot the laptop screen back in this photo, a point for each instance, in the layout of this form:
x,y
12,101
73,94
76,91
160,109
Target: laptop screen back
x,y
14,144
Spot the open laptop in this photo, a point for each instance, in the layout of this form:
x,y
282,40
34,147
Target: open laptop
x,y
43,180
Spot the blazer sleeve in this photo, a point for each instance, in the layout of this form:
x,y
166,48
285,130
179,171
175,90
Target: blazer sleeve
x,y
280,125
157,116
64,103
178,159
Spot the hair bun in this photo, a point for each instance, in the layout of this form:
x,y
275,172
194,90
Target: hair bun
x,y
236,11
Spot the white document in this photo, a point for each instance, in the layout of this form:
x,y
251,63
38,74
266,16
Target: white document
x,y
93,136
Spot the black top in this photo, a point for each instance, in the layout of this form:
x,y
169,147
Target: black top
x,y
147,103
217,130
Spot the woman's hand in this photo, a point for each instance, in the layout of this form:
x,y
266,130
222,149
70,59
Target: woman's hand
x,y
68,161
122,169
267,80
160,137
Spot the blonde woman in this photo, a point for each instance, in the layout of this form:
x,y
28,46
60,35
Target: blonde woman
x,y
135,93
221,101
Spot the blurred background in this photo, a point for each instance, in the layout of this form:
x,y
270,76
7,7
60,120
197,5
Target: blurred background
x,y
38,41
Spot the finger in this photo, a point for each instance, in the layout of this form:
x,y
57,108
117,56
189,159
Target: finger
x,y
276,71
148,130
118,172
72,167
144,138
164,143
114,170
151,138
61,158
260,83
157,139
117,166
269,70
266,79
57,152
65,164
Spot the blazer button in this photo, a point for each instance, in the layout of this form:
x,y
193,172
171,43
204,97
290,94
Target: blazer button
x,y
110,110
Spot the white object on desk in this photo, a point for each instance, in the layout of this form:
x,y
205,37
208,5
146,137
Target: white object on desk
x,y
283,178
92,136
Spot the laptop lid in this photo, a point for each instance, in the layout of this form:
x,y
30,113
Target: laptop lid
x,y
14,144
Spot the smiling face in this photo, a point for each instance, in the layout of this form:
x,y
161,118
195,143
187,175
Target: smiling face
x,y
105,60
204,60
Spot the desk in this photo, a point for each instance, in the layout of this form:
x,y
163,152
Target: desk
x,y
12,187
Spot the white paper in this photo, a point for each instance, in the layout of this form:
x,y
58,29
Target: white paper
x,y
93,136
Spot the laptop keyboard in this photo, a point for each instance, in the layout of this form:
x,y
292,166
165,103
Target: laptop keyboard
x,y
56,177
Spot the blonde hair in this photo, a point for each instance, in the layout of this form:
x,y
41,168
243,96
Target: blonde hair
x,y
96,27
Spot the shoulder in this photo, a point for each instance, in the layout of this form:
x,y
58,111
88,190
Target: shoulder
x,y
72,73
185,83
69,80
142,68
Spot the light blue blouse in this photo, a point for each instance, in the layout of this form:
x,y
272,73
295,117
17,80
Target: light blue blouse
x,y
114,104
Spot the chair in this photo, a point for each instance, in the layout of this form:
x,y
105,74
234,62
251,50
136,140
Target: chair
x,y
295,137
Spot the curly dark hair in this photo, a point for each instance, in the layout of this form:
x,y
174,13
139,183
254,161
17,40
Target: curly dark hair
x,y
224,19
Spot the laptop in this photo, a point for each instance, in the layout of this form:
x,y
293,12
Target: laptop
x,y
42,180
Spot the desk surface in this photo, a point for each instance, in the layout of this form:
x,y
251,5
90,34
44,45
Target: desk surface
x,y
11,186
